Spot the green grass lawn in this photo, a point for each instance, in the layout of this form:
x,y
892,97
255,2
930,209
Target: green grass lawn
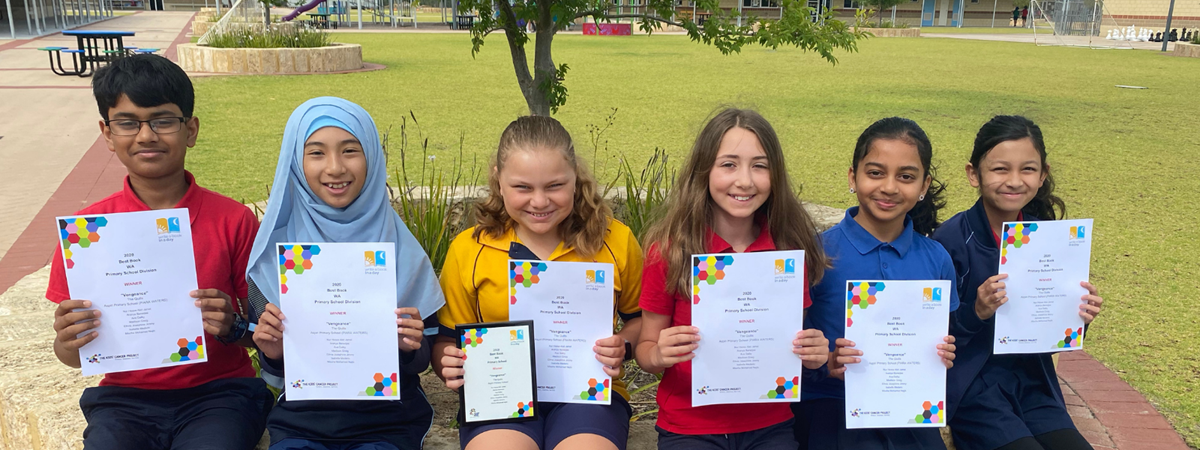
x,y
1124,157
1002,27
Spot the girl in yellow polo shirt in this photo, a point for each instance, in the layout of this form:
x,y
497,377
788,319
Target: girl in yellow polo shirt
x,y
543,204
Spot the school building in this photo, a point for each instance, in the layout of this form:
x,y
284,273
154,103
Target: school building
x,y
967,13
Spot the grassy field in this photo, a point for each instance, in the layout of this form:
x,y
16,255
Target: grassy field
x,y
1124,157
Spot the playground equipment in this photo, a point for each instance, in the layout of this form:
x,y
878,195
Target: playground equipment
x,y
393,12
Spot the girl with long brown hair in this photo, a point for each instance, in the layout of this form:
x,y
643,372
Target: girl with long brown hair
x,y
733,195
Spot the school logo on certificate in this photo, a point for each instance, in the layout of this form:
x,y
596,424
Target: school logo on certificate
x,y
516,337
375,259
785,266
594,277
932,294
168,225
1078,232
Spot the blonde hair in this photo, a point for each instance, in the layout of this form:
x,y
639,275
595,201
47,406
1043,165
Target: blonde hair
x,y
585,228
682,232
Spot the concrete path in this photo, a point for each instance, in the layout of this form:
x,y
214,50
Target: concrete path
x,y
48,122
1049,39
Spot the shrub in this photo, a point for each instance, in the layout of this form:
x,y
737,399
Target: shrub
x,y
258,36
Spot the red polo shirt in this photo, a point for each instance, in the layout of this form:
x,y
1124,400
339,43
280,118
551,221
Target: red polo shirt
x,y
222,233
675,411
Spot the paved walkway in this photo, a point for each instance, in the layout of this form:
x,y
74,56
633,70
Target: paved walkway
x,y
1049,39
49,122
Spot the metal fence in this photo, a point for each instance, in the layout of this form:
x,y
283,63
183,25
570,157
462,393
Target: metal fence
x,y
242,14
1070,17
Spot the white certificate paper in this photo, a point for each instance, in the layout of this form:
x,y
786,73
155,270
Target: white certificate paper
x,y
339,339
748,307
498,373
901,380
1045,262
138,270
571,305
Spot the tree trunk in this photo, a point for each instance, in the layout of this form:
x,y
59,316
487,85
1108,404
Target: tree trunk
x,y
544,70
266,15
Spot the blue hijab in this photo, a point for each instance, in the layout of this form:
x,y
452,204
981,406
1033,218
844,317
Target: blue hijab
x,y
296,214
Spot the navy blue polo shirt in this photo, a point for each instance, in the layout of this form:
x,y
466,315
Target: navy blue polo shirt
x,y
857,255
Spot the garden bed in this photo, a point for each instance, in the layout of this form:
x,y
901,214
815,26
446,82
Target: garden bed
x,y
893,32
266,61
1186,50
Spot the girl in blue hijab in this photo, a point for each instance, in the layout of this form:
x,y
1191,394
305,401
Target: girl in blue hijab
x,y
330,186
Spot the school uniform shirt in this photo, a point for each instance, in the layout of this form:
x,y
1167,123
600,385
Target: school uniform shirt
x,y
857,255
475,277
222,232
675,411
975,250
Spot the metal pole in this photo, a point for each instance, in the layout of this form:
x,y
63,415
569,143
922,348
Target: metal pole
x,y
360,14
994,4
28,24
1167,32
12,28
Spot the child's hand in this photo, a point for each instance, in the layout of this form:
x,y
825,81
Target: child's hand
x,y
610,351
1091,303
409,331
216,309
268,334
812,347
452,367
675,345
842,355
946,351
990,296
69,324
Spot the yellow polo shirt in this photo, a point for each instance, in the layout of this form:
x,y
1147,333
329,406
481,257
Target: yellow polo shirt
x,y
475,277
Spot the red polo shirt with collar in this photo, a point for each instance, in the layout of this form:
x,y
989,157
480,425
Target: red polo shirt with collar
x,y
675,411
223,231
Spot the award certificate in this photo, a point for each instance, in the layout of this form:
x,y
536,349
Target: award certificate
x,y
748,307
1045,262
499,376
901,380
138,269
339,339
571,304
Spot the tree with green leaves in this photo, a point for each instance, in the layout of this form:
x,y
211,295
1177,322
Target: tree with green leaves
x,y
543,86
881,5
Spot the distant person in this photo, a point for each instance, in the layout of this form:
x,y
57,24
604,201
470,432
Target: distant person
x,y
1016,15
1025,16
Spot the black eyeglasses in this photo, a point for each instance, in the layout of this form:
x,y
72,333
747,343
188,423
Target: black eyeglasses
x,y
131,127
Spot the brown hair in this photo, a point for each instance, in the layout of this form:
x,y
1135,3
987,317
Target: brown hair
x,y
682,232
585,228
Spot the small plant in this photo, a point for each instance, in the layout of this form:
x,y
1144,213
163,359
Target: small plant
x,y
432,204
645,192
275,36
1196,37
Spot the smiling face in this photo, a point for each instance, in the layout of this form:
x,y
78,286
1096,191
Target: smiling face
x,y
334,166
150,155
888,181
538,187
740,180
1008,176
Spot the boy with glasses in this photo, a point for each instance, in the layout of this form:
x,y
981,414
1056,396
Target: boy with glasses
x,y
146,104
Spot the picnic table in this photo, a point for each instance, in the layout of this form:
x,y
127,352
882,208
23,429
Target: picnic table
x,y
95,47
464,21
320,20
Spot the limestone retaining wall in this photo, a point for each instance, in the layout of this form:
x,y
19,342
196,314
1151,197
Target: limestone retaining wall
x,y
264,61
1186,49
893,32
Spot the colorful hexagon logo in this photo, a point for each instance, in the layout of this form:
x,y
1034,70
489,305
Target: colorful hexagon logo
x,y
708,270
862,295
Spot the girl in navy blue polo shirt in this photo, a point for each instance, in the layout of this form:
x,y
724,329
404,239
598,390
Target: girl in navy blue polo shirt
x,y
883,238
1009,402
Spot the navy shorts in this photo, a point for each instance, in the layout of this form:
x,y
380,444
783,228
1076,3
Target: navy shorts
x,y
305,444
560,421
774,437
821,425
219,415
